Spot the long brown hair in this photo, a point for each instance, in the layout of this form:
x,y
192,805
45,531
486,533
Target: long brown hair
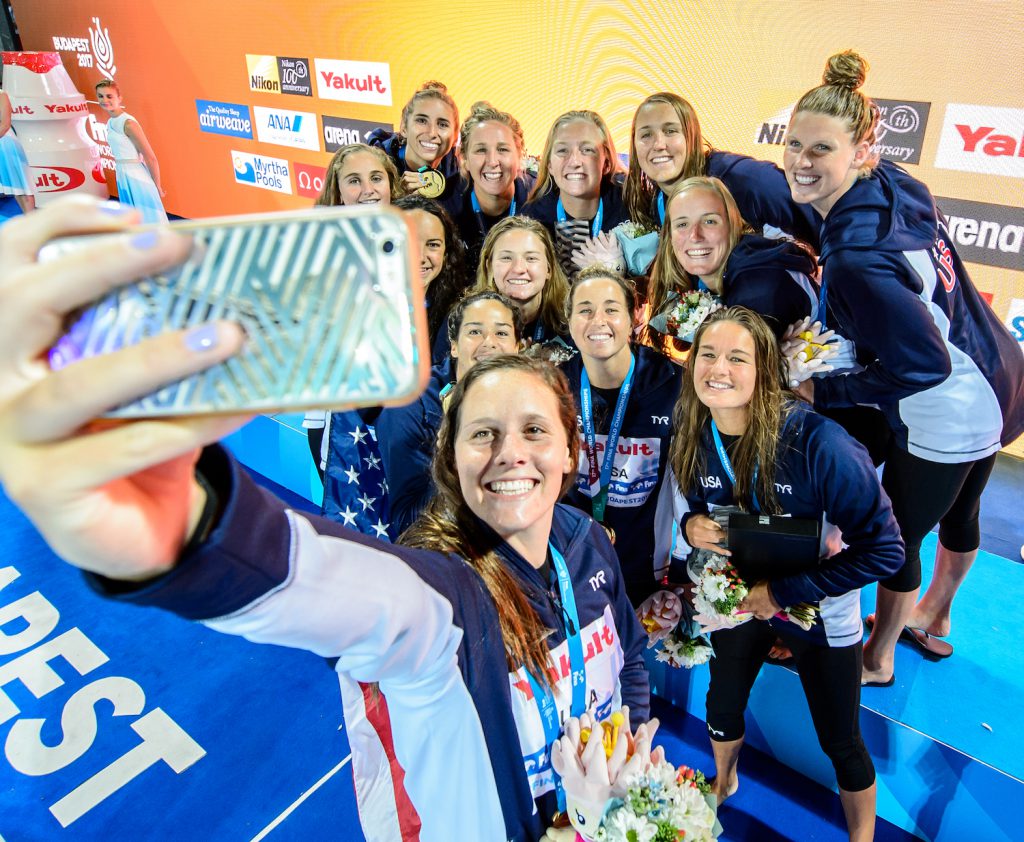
x,y
556,289
449,526
639,191
758,447
331,193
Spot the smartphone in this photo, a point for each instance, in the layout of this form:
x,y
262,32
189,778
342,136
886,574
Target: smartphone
x,y
330,300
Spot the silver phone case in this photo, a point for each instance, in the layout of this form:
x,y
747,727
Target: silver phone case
x,y
329,299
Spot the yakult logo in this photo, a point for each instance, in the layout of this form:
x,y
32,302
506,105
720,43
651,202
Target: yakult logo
x,y
353,81
982,138
57,179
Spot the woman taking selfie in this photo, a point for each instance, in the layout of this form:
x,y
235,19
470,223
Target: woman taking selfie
x,y
625,394
454,629
741,440
935,358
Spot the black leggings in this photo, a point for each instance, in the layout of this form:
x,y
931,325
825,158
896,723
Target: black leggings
x,y
924,493
831,680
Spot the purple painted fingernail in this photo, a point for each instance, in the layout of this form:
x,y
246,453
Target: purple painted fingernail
x,y
145,240
112,208
201,338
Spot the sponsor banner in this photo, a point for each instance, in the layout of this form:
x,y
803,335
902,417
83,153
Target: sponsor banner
x,y
982,138
261,171
96,51
293,73
985,233
56,179
353,81
340,131
634,470
263,73
286,128
309,179
900,136
224,118
1015,320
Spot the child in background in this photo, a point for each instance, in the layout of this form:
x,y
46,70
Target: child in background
x,y
138,171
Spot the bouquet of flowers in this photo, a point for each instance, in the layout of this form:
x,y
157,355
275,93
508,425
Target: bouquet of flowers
x,y
686,646
663,803
689,311
619,789
639,245
720,590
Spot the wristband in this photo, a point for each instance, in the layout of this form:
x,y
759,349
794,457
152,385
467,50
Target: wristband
x,y
208,518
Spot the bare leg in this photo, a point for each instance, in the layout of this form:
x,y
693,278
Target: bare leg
x,y
891,614
859,809
932,613
26,203
727,756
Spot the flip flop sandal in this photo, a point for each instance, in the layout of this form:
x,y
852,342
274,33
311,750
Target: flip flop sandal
x,y
932,647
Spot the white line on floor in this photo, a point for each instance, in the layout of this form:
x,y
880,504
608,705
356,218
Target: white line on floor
x,y
291,808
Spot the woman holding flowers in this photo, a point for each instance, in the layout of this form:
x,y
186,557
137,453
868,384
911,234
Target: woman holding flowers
x,y
460,629
742,440
706,247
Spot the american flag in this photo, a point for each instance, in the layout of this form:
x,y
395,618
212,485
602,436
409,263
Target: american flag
x,y
355,490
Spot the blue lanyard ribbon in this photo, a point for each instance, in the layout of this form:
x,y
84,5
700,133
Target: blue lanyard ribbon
x,y
723,457
543,696
476,206
599,481
661,208
822,304
595,226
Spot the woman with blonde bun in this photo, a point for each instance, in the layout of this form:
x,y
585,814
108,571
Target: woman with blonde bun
x,y
933,356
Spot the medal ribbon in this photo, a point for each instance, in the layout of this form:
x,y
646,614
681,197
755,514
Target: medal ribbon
x,y
542,695
600,480
595,226
822,304
661,207
723,457
480,214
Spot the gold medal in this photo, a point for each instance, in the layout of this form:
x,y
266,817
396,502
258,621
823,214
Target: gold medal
x,y
433,183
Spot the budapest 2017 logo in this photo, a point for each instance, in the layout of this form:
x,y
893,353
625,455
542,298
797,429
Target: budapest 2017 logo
x,y
102,49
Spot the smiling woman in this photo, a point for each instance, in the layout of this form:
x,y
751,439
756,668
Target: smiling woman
x,y
475,635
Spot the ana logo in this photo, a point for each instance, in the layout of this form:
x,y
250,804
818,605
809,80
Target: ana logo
x,y
309,180
224,118
981,138
985,233
263,73
102,49
287,128
901,129
353,81
293,73
340,131
58,179
261,171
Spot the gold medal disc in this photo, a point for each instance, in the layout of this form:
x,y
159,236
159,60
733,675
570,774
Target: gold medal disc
x,y
433,184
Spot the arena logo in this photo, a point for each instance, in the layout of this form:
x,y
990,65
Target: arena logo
x,y
287,128
95,51
353,81
340,131
263,73
982,139
224,118
900,135
985,233
293,74
309,180
261,171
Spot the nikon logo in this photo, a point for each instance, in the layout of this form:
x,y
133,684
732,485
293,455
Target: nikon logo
x,y
986,233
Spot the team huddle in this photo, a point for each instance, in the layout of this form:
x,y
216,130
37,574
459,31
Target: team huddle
x,y
620,360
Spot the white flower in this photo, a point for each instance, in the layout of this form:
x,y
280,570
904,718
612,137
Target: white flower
x,y
618,823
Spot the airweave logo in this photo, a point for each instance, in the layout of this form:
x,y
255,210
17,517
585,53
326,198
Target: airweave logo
x,y
901,128
224,118
984,233
339,131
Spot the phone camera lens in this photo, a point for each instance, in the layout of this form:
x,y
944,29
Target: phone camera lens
x,y
387,247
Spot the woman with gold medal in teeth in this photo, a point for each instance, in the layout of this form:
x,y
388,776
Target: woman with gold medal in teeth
x,y
423,148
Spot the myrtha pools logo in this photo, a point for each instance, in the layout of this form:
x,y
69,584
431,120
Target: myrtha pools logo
x,y
261,171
